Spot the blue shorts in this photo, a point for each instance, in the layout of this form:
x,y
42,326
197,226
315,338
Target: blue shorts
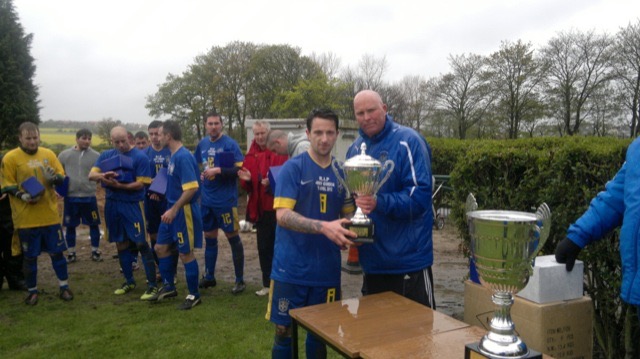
x,y
77,209
47,238
285,296
124,220
185,230
153,210
225,218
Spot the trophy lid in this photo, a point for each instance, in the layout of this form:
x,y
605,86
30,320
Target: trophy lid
x,y
362,160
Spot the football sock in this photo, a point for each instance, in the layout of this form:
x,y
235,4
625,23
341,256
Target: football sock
x,y
94,234
176,258
315,348
124,257
149,263
30,268
59,266
238,257
210,257
71,238
281,348
153,249
166,271
191,272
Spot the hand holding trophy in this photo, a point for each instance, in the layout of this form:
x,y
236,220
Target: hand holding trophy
x,y
363,175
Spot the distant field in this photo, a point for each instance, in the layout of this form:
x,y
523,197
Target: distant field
x,y
64,136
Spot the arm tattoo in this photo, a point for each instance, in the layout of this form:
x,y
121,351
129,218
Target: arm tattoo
x,y
296,222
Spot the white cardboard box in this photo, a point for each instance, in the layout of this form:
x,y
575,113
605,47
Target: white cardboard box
x,y
551,282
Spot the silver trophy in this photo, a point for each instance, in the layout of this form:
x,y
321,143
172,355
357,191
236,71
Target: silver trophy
x,y
363,175
504,245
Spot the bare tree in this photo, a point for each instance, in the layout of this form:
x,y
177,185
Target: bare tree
x,y
463,93
578,65
515,75
627,67
408,101
372,71
368,74
328,62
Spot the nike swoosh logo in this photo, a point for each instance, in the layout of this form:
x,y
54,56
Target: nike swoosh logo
x,y
305,182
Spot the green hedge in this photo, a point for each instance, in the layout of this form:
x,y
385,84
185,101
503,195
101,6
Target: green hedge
x,y
566,173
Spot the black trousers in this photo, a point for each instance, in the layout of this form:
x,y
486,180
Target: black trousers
x,y
10,266
417,286
266,238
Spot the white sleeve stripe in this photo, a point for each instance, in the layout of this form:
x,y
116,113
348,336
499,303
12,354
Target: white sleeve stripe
x,y
413,170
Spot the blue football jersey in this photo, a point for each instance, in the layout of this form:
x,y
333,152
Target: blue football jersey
x,y
313,192
157,159
219,192
182,174
140,171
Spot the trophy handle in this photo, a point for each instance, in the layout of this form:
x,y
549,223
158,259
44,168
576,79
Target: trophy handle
x,y
471,204
388,166
336,166
543,213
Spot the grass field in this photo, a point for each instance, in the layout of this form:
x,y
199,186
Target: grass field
x,y
99,324
64,136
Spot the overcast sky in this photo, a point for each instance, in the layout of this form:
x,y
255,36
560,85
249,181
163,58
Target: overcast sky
x,y
102,59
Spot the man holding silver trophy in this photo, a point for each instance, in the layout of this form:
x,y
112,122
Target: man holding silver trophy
x,y
399,255
312,208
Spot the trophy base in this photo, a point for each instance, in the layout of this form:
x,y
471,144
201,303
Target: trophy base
x,y
363,230
471,351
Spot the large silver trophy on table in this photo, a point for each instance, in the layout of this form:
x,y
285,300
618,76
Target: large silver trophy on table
x,y
504,245
363,175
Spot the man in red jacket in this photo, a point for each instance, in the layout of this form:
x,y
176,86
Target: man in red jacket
x,y
254,178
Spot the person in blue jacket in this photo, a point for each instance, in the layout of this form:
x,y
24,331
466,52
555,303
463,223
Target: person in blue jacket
x,y
617,205
401,255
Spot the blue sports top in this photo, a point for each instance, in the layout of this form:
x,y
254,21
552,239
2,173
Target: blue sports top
x,y
140,171
182,174
617,205
220,191
157,159
313,192
403,216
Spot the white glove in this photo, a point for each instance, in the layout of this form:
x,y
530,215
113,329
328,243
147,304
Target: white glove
x,y
24,196
49,174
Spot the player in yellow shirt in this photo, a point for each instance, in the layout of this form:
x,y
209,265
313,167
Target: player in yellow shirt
x,y
36,218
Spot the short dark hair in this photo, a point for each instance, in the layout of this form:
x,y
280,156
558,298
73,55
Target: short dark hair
x,y
83,132
28,126
212,113
324,113
141,134
154,124
173,128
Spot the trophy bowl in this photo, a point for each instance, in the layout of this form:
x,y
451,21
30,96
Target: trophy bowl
x,y
362,175
504,245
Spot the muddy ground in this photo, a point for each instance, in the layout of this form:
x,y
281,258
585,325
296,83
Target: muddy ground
x,y
449,267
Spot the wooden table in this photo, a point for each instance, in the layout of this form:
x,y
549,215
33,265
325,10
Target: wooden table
x,y
440,345
353,325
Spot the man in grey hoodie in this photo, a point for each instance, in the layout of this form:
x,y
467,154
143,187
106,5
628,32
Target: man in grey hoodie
x,y
80,205
287,144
